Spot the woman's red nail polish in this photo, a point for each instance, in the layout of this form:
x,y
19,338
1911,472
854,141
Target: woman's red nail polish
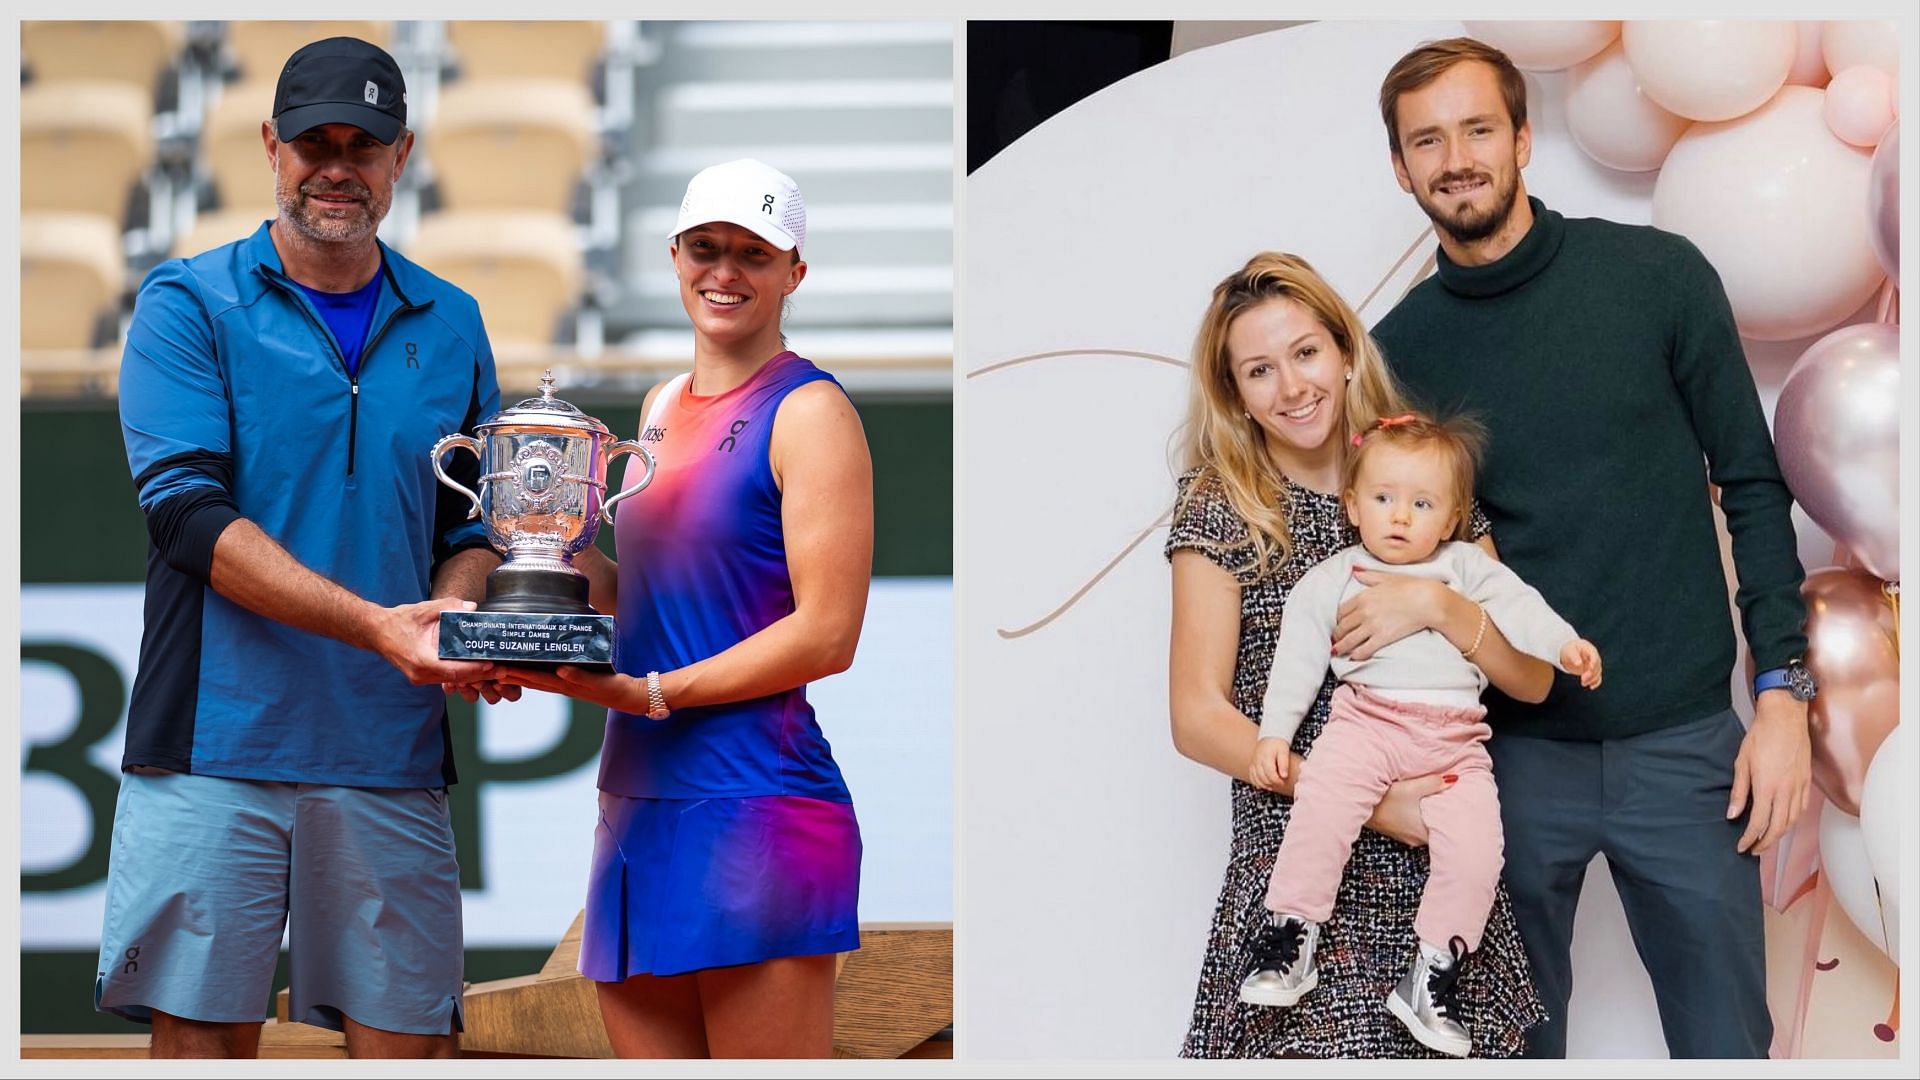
x,y
1450,778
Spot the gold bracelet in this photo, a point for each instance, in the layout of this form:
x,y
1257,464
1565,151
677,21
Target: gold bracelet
x,y
1478,634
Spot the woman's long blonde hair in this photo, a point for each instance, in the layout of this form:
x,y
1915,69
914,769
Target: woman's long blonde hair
x,y
1223,442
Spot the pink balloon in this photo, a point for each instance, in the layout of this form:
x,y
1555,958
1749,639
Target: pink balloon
x,y
1883,203
1545,45
1616,124
1875,42
1836,430
1851,652
1779,206
1809,66
1706,69
1860,105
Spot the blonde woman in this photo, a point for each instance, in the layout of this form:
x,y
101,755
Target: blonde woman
x,y
1283,375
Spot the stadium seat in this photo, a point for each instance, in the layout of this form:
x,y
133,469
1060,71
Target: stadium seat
x,y
72,270
215,227
131,52
492,49
510,143
523,267
230,147
258,47
83,143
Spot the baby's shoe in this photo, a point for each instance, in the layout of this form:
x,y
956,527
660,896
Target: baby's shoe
x,y
1282,970
1425,1002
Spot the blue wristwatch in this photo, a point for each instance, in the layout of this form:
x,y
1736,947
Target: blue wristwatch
x,y
1795,679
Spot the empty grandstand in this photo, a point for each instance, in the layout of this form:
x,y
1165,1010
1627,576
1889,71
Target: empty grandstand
x,y
549,162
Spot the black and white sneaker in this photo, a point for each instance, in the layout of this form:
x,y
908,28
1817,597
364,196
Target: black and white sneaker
x,y
1425,1000
1282,970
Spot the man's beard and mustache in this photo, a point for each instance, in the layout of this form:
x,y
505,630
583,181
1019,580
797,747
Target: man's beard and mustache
x,y
1469,225
300,210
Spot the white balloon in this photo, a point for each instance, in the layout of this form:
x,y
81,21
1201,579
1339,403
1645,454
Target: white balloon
x,y
1616,124
1874,42
1546,45
1779,206
1710,69
1860,105
1809,63
1843,858
1880,819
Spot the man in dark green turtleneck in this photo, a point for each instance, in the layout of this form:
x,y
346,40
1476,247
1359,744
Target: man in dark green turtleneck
x,y
1605,363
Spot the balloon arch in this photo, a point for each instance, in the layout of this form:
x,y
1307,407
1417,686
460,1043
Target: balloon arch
x,y
1778,156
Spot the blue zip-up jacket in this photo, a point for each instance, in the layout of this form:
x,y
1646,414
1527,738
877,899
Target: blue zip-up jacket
x,y
235,403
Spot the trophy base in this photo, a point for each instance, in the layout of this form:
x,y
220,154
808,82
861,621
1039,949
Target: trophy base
x,y
537,592
536,617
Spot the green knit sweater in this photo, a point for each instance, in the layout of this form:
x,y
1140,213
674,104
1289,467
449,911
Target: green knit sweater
x,y
1604,362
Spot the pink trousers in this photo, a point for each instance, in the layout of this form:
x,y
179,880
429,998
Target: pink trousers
x,y
1369,742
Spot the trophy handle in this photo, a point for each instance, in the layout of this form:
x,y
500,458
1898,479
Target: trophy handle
x,y
626,446
455,442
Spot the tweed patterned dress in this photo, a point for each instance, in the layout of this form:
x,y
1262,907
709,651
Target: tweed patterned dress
x,y
1368,944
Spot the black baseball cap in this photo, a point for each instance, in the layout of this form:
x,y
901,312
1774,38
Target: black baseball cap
x,y
340,80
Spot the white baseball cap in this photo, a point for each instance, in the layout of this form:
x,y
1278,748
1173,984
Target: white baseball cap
x,y
748,193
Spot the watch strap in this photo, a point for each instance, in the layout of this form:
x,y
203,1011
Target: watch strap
x,y
656,700
1771,679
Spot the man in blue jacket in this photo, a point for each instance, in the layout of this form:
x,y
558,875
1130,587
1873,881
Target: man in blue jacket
x,y
287,748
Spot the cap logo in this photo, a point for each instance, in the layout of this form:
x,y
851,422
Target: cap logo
x,y
373,94
768,205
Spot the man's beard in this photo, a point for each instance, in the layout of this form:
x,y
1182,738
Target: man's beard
x,y
297,211
1468,225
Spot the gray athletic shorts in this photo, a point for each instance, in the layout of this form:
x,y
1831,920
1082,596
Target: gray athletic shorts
x,y
205,873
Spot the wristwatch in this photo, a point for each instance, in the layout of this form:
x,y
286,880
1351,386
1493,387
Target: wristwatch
x,y
1795,679
656,701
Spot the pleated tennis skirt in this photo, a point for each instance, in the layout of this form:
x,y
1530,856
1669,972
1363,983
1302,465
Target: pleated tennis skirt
x,y
678,885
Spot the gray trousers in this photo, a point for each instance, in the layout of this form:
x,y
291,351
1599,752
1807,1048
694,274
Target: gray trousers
x,y
1655,805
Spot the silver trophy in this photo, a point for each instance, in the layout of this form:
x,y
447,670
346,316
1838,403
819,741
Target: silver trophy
x,y
543,485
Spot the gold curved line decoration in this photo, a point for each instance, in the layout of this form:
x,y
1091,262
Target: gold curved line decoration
x,y
1165,518
1159,358
1425,269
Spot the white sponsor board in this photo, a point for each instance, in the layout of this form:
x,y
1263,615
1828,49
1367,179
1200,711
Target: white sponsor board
x,y
889,719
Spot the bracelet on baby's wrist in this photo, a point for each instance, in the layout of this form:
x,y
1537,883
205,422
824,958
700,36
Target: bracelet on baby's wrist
x,y
1478,635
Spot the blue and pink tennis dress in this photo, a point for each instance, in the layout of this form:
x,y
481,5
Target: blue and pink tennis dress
x,y
726,834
